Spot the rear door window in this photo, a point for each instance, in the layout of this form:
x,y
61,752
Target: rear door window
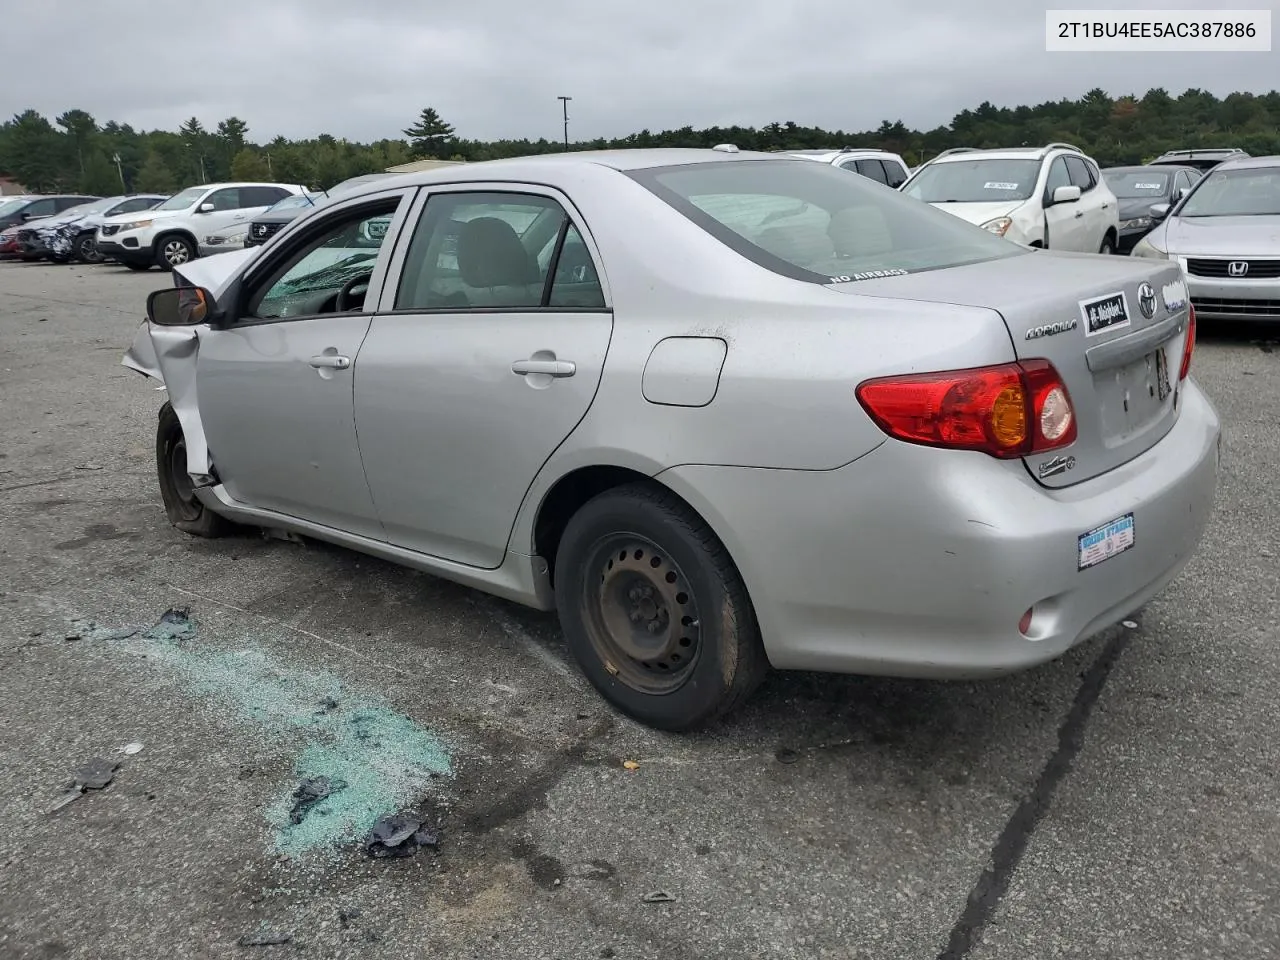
x,y
872,169
262,196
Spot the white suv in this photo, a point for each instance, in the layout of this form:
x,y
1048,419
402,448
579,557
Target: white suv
x,y
878,165
1051,196
171,233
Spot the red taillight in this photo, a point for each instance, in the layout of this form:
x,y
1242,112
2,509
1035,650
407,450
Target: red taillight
x,y
1189,347
1012,410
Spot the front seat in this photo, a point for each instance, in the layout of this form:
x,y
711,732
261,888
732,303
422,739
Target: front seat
x,y
496,267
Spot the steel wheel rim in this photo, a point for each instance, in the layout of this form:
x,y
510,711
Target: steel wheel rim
x,y
184,490
175,252
641,614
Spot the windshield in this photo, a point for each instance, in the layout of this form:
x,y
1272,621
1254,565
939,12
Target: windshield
x,y
814,222
183,200
288,203
1236,193
975,181
1137,184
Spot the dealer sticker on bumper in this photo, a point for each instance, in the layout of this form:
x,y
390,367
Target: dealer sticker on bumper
x,y
1104,542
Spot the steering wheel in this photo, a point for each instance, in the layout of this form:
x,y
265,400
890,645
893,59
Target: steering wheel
x,y
341,305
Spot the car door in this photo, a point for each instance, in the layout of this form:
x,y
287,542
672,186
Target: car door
x,y
1065,223
1094,204
484,357
274,385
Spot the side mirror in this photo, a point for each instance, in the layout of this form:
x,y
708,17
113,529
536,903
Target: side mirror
x,y
1066,194
206,208
180,307
1160,210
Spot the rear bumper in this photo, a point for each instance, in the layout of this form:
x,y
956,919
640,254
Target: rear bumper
x,y
919,562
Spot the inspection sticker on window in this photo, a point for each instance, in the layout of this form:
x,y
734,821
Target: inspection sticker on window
x,y
1104,542
995,185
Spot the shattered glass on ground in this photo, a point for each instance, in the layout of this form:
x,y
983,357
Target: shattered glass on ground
x,y
372,761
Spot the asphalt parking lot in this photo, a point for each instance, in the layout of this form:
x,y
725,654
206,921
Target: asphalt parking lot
x,y
1121,803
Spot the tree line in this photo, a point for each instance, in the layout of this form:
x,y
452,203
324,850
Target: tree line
x,y
76,152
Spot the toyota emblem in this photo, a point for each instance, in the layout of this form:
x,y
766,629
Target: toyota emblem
x,y
1237,268
1147,300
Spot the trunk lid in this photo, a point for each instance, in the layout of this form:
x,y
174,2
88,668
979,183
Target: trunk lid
x,y
1087,315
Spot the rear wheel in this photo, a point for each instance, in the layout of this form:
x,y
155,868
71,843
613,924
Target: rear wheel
x,y
655,611
181,505
1108,245
174,251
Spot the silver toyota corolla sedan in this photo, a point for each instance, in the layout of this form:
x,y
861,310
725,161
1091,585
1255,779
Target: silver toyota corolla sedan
x,y
720,410
1226,236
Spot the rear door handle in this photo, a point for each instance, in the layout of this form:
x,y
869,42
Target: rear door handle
x,y
552,368
330,361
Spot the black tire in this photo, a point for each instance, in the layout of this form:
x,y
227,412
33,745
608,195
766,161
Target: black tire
x,y
134,265
181,506
85,249
637,554
1108,246
174,250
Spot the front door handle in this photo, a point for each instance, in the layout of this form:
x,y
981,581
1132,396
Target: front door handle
x,y
551,368
330,361
1079,214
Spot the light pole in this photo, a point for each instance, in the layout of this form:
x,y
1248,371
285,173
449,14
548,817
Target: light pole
x,y
115,157
564,103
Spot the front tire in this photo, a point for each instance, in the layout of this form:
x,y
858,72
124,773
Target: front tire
x,y
655,611
174,251
86,249
1108,246
183,508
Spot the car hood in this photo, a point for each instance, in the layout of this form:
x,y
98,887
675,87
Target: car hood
x,y
1226,236
215,273
1138,207
143,215
980,213
281,216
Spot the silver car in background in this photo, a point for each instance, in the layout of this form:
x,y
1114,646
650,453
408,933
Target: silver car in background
x,y
1226,235
720,410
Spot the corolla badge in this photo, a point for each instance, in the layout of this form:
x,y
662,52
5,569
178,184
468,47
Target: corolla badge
x,y
1147,300
1049,329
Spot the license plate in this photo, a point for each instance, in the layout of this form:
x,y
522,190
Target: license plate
x,y
1104,542
1163,386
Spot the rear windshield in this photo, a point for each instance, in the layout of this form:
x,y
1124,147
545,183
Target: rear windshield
x,y
814,222
975,181
1137,184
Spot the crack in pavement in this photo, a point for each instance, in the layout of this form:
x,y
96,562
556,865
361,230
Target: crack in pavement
x,y
993,884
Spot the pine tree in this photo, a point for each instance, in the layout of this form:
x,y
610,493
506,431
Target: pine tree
x,y
100,177
430,134
249,166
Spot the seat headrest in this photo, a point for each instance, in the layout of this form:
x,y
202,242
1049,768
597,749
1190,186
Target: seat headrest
x,y
490,255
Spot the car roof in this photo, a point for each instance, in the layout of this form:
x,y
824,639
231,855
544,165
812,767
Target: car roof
x,y
243,183
1157,168
1246,163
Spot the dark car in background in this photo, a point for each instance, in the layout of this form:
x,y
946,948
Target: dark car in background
x,y
264,226
1203,160
1138,188
25,209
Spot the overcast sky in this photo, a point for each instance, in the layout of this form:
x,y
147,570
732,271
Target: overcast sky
x,y
363,69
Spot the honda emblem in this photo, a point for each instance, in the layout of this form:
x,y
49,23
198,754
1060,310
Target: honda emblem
x,y
1237,268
